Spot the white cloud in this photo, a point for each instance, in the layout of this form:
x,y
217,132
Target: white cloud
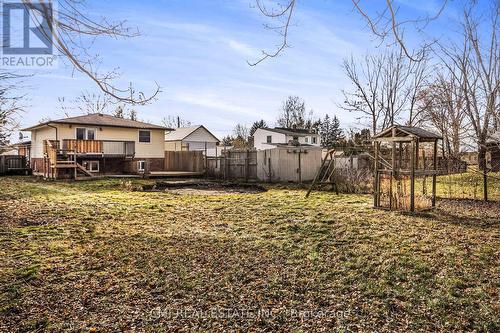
x,y
240,47
212,101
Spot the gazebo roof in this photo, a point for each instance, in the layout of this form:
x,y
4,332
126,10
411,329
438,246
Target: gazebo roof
x,y
407,132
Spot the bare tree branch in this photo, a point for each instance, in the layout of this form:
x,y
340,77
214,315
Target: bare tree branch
x,y
67,28
383,25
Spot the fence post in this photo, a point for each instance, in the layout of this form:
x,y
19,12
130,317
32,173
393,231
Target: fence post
x,y
226,165
413,161
246,166
300,168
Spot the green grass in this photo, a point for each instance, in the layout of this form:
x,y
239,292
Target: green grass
x,y
468,185
96,256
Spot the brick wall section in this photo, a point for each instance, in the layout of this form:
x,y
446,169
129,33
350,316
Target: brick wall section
x,y
153,164
37,164
111,166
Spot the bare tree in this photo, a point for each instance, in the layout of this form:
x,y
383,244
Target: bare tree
x,y
384,24
73,32
385,88
293,114
367,80
175,122
93,103
241,131
442,102
478,65
10,105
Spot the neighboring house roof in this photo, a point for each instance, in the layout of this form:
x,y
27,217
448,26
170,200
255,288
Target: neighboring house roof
x,y
291,131
9,152
182,133
22,143
99,119
408,131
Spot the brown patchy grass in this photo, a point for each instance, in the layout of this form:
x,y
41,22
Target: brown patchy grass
x,y
94,256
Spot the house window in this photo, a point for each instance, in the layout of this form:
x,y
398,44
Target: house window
x,y
314,140
91,166
90,134
145,136
269,139
141,166
85,133
307,139
80,133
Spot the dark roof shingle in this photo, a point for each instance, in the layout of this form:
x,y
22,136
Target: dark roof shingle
x,y
99,119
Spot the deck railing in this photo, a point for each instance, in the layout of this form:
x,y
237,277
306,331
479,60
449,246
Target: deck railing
x,y
104,147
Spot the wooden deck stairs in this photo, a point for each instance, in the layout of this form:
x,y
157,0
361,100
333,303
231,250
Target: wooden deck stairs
x,y
56,160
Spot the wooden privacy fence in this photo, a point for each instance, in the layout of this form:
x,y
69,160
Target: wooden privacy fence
x,y
281,164
189,161
233,164
12,163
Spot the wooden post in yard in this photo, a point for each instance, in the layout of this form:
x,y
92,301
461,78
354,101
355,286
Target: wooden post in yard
x,y
485,181
393,165
413,161
376,189
400,155
434,176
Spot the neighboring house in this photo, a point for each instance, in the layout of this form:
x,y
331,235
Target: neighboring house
x,y
98,144
194,138
269,138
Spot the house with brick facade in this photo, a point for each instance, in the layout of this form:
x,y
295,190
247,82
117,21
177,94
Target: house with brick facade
x,y
96,144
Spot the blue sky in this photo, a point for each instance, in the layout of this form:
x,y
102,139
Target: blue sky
x,y
197,51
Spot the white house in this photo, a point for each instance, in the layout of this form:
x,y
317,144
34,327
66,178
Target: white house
x,y
191,139
269,138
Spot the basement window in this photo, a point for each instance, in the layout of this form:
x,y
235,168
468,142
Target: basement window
x,y
91,166
141,166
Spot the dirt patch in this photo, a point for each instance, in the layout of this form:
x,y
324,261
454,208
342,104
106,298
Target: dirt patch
x,y
204,188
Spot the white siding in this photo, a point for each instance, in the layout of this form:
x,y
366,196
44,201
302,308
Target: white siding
x,y
200,135
260,139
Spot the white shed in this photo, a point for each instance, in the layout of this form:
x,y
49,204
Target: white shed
x,y
194,138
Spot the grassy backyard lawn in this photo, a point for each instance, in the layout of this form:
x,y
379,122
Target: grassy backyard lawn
x,y
99,256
